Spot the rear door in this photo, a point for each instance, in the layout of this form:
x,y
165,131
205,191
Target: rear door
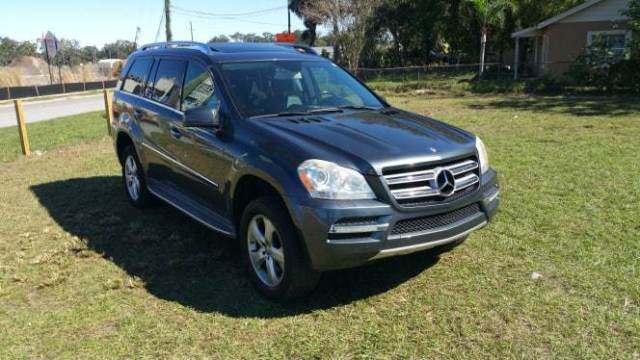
x,y
163,116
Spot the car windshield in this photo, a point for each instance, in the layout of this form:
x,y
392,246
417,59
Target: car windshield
x,y
271,88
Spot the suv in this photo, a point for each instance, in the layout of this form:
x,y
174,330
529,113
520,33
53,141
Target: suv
x,y
292,155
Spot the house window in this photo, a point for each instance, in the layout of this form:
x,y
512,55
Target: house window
x,y
616,40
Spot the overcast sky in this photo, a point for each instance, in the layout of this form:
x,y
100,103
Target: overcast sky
x,y
96,22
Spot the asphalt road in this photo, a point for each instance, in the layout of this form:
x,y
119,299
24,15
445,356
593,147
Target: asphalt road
x,y
49,109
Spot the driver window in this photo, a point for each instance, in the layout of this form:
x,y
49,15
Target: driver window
x,y
199,89
332,90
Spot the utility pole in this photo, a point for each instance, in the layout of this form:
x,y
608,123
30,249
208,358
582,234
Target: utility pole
x,y
135,41
289,18
167,19
191,27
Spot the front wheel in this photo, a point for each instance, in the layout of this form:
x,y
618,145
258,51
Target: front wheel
x,y
274,255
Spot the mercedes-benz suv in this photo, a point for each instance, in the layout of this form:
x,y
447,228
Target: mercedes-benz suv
x,y
295,158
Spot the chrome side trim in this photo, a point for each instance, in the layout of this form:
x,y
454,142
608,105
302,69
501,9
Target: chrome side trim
x,y
174,161
425,246
356,229
155,103
186,212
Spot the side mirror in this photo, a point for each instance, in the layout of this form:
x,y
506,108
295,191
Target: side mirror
x,y
203,117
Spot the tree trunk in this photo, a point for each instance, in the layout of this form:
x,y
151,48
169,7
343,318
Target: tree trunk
x,y
483,51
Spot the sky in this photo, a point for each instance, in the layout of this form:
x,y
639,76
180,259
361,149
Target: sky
x,y
96,22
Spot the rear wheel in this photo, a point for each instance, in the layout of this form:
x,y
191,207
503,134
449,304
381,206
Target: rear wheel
x,y
135,184
274,256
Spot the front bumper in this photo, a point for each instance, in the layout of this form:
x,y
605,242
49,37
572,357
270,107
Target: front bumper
x,y
333,244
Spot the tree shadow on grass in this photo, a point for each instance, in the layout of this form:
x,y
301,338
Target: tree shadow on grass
x,y
180,260
576,106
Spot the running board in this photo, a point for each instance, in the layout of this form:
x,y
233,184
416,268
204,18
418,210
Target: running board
x,y
191,207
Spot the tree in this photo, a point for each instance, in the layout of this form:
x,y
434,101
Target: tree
x,y
312,17
117,50
11,49
634,23
219,39
490,14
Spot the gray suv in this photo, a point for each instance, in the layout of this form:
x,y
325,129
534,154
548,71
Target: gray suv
x,y
293,157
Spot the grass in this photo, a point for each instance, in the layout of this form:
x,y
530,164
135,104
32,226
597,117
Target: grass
x,y
46,135
82,274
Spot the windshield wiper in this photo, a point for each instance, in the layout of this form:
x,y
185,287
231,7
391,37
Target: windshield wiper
x,y
298,113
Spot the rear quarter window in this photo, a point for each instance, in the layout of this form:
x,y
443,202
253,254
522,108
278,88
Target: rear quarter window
x,y
137,76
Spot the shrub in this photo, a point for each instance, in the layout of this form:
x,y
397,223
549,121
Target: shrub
x,y
600,67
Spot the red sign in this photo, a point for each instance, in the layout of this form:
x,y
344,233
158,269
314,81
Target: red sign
x,y
286,38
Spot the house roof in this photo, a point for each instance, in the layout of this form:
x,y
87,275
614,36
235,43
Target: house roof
x,y
533,31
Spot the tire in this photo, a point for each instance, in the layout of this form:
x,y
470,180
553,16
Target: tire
x,y
133,179
273,254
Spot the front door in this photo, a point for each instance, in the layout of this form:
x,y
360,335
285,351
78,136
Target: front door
x,y
200,150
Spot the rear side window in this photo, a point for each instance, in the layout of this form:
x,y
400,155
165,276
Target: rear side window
x,y
198,88
137,76
168,83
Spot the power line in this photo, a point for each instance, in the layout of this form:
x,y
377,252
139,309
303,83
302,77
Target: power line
x,y
178,12
210,14
159,26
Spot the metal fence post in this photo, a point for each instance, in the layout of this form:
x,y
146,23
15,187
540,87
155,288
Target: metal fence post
x,y
22,128
108,106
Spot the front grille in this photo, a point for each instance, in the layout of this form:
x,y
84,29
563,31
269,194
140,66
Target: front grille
x,y
428,223
422,184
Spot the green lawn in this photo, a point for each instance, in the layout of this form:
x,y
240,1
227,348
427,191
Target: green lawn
x,y
46,135
82,274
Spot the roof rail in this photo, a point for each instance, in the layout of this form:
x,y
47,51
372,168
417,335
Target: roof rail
x,y
178,44
300,48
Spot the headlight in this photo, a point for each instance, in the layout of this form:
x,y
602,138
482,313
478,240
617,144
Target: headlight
x,y
326,180
483,156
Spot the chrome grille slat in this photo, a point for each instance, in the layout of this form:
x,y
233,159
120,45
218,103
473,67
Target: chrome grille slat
x,y
423,183
462,168
411,177
466,181
412,193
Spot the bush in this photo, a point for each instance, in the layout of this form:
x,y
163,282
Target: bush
x,y
605,69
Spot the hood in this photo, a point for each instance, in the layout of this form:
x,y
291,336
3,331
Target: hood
x,y
372,140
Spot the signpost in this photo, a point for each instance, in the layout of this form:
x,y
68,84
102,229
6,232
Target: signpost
x,y
50,44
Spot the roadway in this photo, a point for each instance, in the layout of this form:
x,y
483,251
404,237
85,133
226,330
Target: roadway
x,y
35,111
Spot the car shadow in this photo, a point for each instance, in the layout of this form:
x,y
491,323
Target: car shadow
x,y
179,260
581,106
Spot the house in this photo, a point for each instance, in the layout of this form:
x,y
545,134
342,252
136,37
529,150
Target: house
x,y
556,42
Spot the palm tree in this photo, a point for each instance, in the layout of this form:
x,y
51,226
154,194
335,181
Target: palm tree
x,y
305,10
490,14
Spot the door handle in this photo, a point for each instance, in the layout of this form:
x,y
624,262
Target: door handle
x,y
175,132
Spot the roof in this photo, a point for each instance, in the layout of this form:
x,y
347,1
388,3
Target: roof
x,y
533,31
